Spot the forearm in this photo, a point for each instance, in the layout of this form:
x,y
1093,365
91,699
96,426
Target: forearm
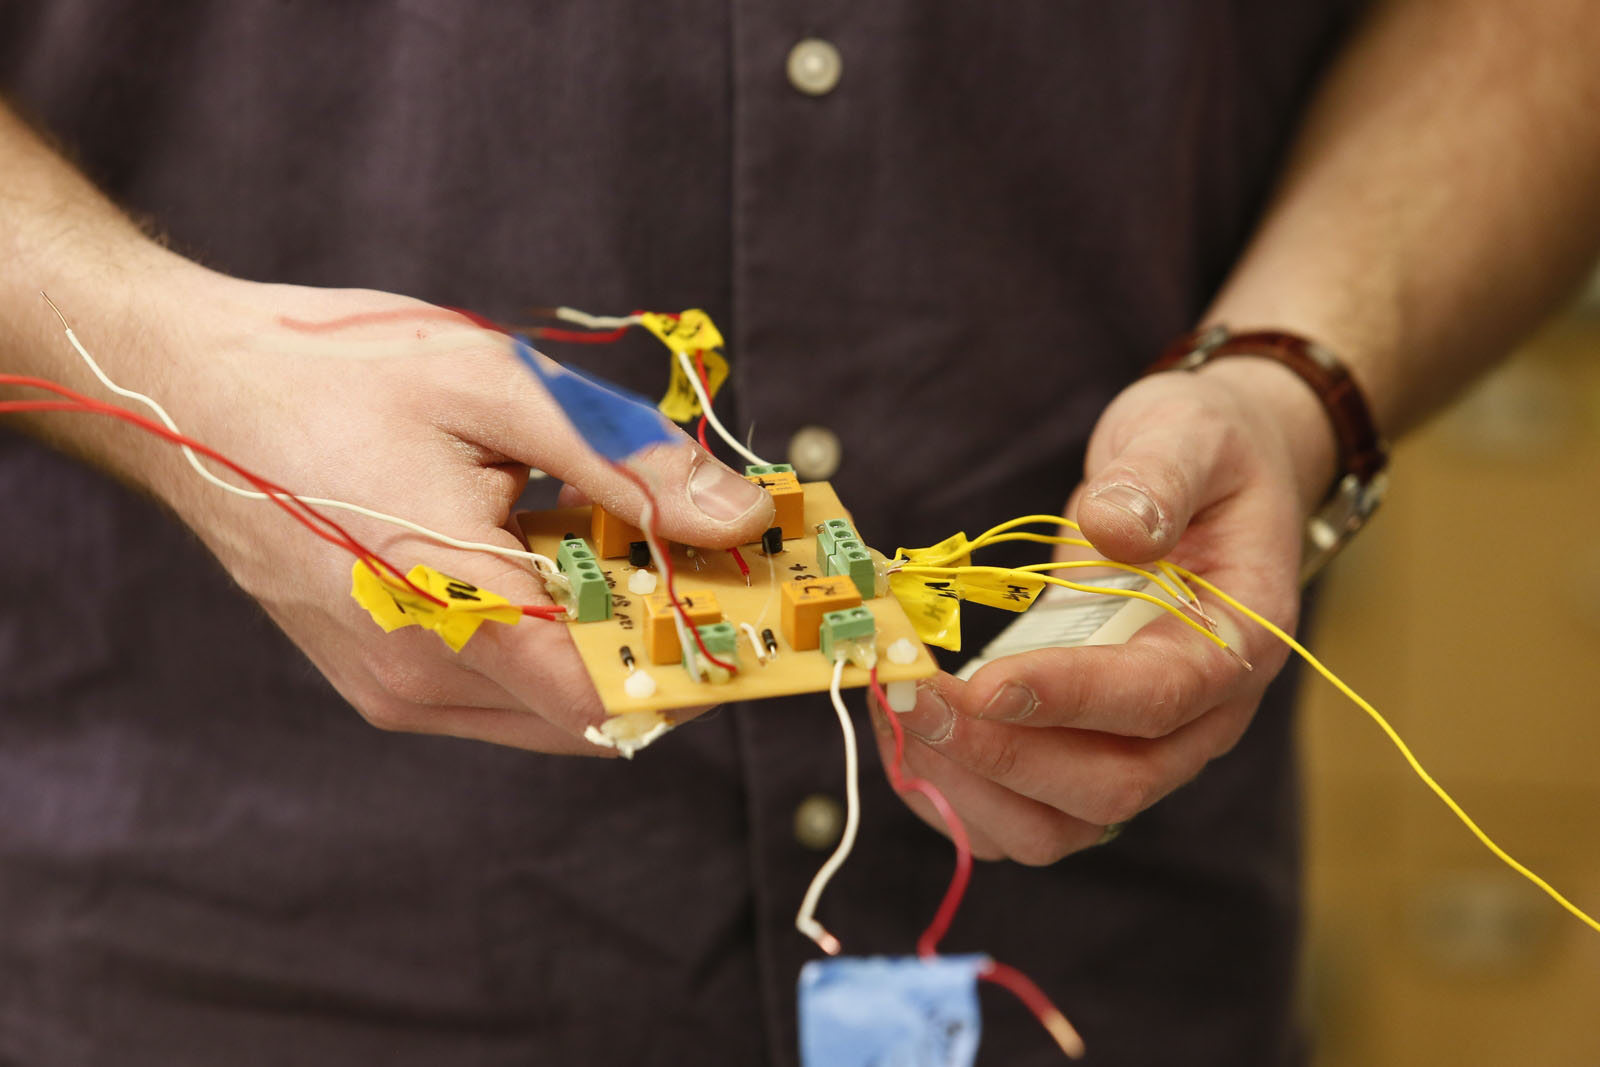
x,y
123,292
1440,200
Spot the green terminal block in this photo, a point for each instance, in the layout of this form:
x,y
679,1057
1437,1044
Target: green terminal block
x,y
829,533
591,596
721,640
851,624
851,558
753,469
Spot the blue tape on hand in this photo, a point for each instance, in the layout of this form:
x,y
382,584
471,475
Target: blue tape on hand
x,y
613,421
898,1011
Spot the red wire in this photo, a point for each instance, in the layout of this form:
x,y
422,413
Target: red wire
x,y
371,318
666,565
928,943
444,311
80,403
296,508
1049,1016
744,568
580,337
700,369
1000,974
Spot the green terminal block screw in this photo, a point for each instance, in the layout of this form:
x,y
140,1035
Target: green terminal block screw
x,y
851,558
591,596
754,469
829,533
851,624
573,548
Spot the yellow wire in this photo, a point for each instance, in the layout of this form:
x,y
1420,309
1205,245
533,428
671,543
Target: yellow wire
x,y
992,535
996,534
1043,539
1171,571
1109,564
1405,750
1133,594
1030,520
1180,577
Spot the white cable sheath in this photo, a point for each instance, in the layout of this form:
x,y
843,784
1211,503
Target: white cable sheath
x,y
804,919
711,416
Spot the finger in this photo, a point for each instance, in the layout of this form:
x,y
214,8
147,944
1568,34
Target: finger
x,y
1145,483
499,726
1099,778
414,684
699,500
534,660
1165,677
571,496
1020,828
999,822
983,847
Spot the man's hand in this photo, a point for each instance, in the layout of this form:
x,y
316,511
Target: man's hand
x,y
402,410
1041,752
397,406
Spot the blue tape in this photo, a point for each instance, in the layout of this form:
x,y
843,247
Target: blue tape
x,y
613,421
890,1011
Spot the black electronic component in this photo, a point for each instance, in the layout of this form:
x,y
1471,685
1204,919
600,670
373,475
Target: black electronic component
x,y
627,657
772,541
769,639
638,554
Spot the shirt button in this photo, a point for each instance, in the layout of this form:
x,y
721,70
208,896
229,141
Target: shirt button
x,y
814,66
818,821
814,452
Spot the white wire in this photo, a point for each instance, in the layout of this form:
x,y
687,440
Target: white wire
x,y
711,416
804,919
597,322
603,322
543,562
772,589
755,641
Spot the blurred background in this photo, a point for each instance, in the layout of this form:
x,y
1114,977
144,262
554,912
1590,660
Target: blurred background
x,y
1468,612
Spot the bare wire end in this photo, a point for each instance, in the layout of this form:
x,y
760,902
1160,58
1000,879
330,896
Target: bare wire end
x,y
57,310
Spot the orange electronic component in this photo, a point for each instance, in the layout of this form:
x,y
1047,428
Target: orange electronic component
x,y
806,600
787,496
661,633
611,536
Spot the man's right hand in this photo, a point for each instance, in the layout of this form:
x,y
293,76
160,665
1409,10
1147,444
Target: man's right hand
x,y
409,411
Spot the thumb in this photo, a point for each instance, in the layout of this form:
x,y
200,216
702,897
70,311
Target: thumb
x,y
1139,497
698,500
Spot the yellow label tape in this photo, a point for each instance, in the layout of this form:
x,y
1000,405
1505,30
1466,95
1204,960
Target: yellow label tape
x,y
999,588
465,606
691,332
933,605
953,551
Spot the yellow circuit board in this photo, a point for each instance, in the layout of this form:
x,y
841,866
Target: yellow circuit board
x,y
759,603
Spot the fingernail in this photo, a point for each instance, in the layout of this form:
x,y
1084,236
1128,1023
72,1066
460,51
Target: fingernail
x,y
720,494
1126,498
931,720
1013,703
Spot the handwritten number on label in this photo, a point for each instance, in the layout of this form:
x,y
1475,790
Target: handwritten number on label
x,y
459,590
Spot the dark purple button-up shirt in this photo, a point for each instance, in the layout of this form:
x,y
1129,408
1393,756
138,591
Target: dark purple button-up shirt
x,y
953,261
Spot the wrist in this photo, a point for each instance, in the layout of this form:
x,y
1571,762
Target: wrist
x,y
136,316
